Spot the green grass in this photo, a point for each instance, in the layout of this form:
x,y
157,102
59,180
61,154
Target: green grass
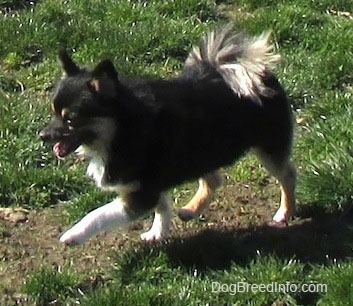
x,y
148,276
47,286
153,38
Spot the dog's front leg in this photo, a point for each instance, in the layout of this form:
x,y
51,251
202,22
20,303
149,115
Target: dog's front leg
x,y
102,218
162,220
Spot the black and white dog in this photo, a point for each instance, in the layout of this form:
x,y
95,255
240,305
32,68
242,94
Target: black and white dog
x,y
141,137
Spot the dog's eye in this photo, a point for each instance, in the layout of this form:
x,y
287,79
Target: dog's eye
x,y
70,116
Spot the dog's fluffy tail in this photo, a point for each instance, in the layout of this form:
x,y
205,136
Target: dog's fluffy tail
x,y
240,60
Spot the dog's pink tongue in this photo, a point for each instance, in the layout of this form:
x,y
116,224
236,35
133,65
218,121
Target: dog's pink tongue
x,y
57,150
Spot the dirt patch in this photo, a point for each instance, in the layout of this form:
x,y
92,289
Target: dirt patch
x,y
28,246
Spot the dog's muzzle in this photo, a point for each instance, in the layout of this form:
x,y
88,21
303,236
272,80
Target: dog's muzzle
x,y
64,141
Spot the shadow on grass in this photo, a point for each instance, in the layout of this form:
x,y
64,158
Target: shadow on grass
x,y
311,240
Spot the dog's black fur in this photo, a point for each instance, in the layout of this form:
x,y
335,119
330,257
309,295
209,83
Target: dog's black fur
x,y
161,132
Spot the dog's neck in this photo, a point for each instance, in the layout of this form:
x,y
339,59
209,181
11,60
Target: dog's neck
x,y
97,171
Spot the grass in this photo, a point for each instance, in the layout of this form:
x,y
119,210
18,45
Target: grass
x,y
47,286
146,276
152,38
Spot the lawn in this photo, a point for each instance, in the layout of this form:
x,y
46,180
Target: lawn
x,y
206,260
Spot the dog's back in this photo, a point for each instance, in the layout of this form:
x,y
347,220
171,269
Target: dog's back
x,y
225,102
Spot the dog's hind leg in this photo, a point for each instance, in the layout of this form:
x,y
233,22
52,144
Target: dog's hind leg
x,y
207,185
285,173
287,180
162,220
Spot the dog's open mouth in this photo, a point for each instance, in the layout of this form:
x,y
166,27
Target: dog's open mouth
x,y
66,146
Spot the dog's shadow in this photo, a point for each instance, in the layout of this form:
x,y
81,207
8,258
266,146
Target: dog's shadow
x,y
319,239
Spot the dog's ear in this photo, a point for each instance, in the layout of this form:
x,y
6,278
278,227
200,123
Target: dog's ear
x,y
68,65
105,68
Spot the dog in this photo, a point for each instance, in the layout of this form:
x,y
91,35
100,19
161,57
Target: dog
x,y
142,136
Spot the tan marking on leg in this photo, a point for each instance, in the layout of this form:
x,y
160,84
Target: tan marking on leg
x,y
284,172
202,198
287,206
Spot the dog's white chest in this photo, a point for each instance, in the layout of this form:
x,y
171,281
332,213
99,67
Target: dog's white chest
x,y
96,170
96,166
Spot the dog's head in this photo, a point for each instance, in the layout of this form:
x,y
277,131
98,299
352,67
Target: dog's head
x,y
83,102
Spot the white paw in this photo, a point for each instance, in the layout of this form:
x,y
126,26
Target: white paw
x,y
161,222
281,216
155,235
72,237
